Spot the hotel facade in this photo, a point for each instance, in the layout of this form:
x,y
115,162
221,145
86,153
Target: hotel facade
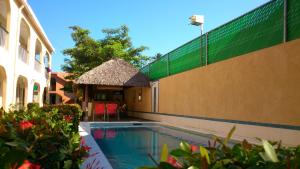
x,y
25,56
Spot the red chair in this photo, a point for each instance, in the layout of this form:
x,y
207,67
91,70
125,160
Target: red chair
x,y
100,109
98,134
111,109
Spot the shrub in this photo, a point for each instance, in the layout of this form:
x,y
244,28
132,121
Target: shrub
x,y
69,112
38,138
219,155
31,106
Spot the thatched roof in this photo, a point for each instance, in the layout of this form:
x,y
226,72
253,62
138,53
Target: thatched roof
x,y
115,72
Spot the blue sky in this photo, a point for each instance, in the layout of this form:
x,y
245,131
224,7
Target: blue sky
x,y
161,25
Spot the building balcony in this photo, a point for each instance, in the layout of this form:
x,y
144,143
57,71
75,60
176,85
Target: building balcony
x,y
37,66
3,36
23,54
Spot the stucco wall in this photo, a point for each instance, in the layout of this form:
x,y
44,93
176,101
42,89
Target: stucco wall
x,y
13,67
262,86
131,99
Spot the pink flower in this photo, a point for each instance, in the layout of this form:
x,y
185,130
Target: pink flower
x,y
25,125
29,165
82,141
194,148
171,160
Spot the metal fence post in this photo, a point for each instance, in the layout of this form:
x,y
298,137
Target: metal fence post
x,y
168,64
285,20
149,70
206,51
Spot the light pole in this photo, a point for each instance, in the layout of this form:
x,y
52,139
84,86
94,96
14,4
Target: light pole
x,y
198,20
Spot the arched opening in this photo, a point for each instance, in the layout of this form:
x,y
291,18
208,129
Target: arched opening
x,y
47,65
36,93
21,92
38,51
24,41
2,87
45,96
4,22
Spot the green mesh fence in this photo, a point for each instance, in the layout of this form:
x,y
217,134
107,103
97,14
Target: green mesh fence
x,y
257,29
159,68
293,19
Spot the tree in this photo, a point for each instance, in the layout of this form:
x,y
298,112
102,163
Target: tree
x,y
88,53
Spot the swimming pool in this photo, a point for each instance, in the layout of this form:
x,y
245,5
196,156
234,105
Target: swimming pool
x,y
128,145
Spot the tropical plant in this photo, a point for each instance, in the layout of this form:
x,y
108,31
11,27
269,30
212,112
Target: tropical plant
x,y
220,155
37,138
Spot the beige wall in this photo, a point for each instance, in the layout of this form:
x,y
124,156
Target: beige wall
x,y
131,99
262,86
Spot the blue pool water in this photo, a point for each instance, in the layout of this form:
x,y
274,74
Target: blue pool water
x,y
128,146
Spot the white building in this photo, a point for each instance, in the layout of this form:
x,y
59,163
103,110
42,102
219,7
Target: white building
x,y
25,55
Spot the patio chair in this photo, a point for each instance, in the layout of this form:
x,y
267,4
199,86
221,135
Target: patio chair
x,y
111,109
99,110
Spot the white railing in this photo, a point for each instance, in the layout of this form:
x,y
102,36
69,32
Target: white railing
x,y
23,53
3,36
37,66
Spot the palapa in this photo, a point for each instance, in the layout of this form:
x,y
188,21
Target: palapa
x,y
115,72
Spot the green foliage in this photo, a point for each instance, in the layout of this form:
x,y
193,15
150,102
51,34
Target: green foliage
x,y
220,155
31,106
73,111
89,53
41,137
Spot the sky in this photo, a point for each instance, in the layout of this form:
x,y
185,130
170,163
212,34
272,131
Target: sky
x,y
161,25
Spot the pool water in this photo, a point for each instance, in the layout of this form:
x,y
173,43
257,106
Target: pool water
x,y
128,147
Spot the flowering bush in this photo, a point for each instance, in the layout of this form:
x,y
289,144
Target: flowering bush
x,y
40,139
219,155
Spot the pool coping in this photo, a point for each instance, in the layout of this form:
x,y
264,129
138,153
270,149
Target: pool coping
x,y
96,157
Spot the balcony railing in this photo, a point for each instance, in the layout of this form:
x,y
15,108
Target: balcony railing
x,y
37,66
3,36
23,54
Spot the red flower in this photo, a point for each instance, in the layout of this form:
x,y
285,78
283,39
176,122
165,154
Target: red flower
x,y
194,148
86,148
29,165
25,125
68,118
82,141
171,160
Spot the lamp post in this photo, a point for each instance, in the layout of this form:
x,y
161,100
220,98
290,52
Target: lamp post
x,y
198,20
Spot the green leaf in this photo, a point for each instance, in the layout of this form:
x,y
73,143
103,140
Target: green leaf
x,y
193,167
164,165
164,153
179,153
269,152
204,154
229,135
68,164
185,146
